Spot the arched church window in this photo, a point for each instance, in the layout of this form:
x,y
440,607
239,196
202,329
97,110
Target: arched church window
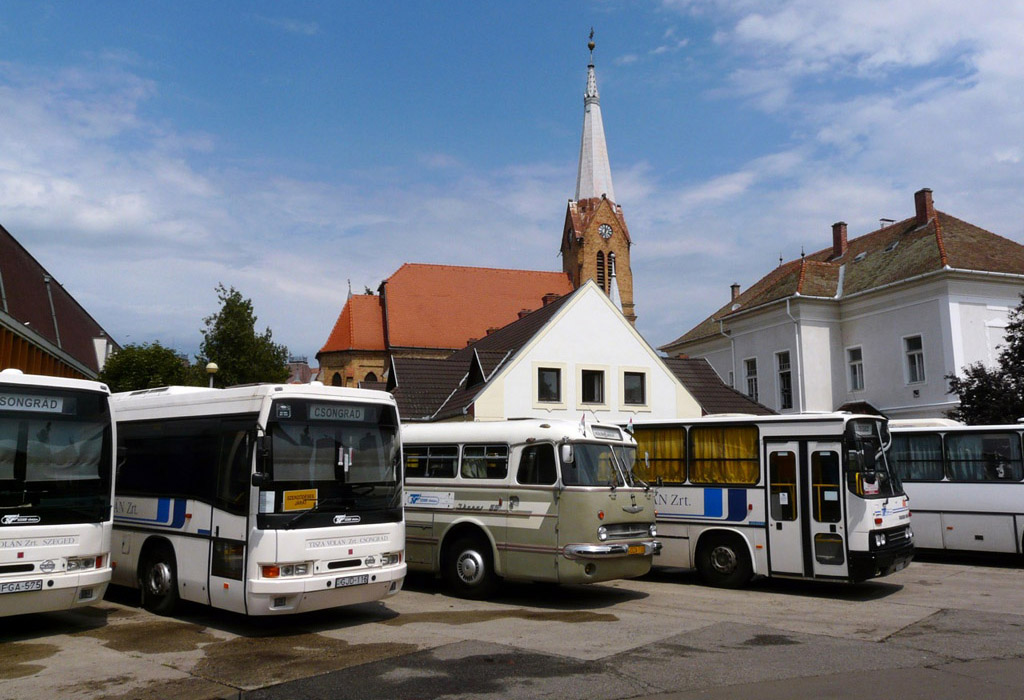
x,y
370,377
600,271
336,379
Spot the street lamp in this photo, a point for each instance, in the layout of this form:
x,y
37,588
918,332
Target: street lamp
x,y
211,369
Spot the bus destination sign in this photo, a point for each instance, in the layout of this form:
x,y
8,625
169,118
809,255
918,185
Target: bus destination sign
x,y
336,411
28,402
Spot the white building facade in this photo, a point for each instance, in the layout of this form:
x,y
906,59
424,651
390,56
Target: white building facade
x,y
882,320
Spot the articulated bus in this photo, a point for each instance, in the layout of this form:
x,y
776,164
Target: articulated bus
x,y
56,488
263,499
965,482
525,499
803,496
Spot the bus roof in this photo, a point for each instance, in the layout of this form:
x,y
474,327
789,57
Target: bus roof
x,y
17,377
510,431
195,400
733,418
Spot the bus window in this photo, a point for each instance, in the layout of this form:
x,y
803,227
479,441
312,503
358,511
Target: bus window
x,y
917,457
594,466
431,461
537,465
724,455
484,461
825,484
782,477
985,457
663,454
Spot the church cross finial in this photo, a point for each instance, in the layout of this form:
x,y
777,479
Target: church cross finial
x,y
590,44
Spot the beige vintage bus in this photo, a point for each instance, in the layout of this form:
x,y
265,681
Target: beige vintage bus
x,y
535,500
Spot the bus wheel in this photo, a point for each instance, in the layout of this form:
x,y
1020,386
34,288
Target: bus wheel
x,y
722,561
469,568
158,580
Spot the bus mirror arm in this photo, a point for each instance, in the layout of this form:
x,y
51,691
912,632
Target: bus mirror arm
x,y
260,479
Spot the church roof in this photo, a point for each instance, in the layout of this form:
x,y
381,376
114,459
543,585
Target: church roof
x,y
594,177
44,309
440,389
446,306
360,326
929,242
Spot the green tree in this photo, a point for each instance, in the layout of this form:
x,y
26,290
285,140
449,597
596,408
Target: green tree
x,y
231,341
993,395
144,366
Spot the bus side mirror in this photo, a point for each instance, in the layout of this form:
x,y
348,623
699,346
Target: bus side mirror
x,y
568,456
259,479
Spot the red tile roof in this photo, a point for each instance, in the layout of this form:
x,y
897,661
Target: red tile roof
x,y
445,306
360,326
896,253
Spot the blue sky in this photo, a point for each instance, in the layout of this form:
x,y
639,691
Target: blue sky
x,y
151,150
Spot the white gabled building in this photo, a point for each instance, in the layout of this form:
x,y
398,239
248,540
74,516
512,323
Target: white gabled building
x,y
880,319
576,356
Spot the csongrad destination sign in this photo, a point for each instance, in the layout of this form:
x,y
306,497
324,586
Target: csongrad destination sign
x,y
28,402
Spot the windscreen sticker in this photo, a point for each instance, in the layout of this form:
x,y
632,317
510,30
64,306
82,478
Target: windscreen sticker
x,y
299,500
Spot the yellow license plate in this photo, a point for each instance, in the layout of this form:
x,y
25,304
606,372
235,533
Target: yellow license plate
x,y
637,549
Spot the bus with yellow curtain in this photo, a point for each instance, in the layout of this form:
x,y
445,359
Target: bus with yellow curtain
x,y
799,496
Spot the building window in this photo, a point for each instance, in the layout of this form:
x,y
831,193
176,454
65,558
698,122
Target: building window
x,y
634,388
915,359
592,386
370,377
855,361
549,384
750,366
336,379
785,380
600,271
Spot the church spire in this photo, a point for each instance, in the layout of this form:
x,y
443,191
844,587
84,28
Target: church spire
x,y
594,177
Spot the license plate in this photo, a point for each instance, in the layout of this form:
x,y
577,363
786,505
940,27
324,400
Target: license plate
x,y
351,581
22,586
637,549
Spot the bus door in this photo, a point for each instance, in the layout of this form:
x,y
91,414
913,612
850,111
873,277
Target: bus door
x,y
533,518
229,531
806,519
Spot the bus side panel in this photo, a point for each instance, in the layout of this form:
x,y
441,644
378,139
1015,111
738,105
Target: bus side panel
x,y
982,533
421,530
927,529
675,541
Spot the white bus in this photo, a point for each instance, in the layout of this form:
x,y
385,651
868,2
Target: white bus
x,y
965,482
56,486
803,496
263,499
527,499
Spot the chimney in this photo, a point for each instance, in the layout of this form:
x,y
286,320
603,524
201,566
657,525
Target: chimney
x,y
550,297
524,312
493,329
735,290
839,239
923,205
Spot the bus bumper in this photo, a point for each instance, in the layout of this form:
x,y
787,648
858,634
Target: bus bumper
x,y
288,596
611,550
60,592
865,565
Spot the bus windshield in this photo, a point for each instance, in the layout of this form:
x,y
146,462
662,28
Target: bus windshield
x,y
867,444
55,455
597,464
317,443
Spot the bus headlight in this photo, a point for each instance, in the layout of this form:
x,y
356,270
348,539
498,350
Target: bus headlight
x,y
284,570
602,533
81,563
653,529
390,559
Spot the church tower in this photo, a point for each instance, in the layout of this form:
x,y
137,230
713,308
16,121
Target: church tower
x,y
595,239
